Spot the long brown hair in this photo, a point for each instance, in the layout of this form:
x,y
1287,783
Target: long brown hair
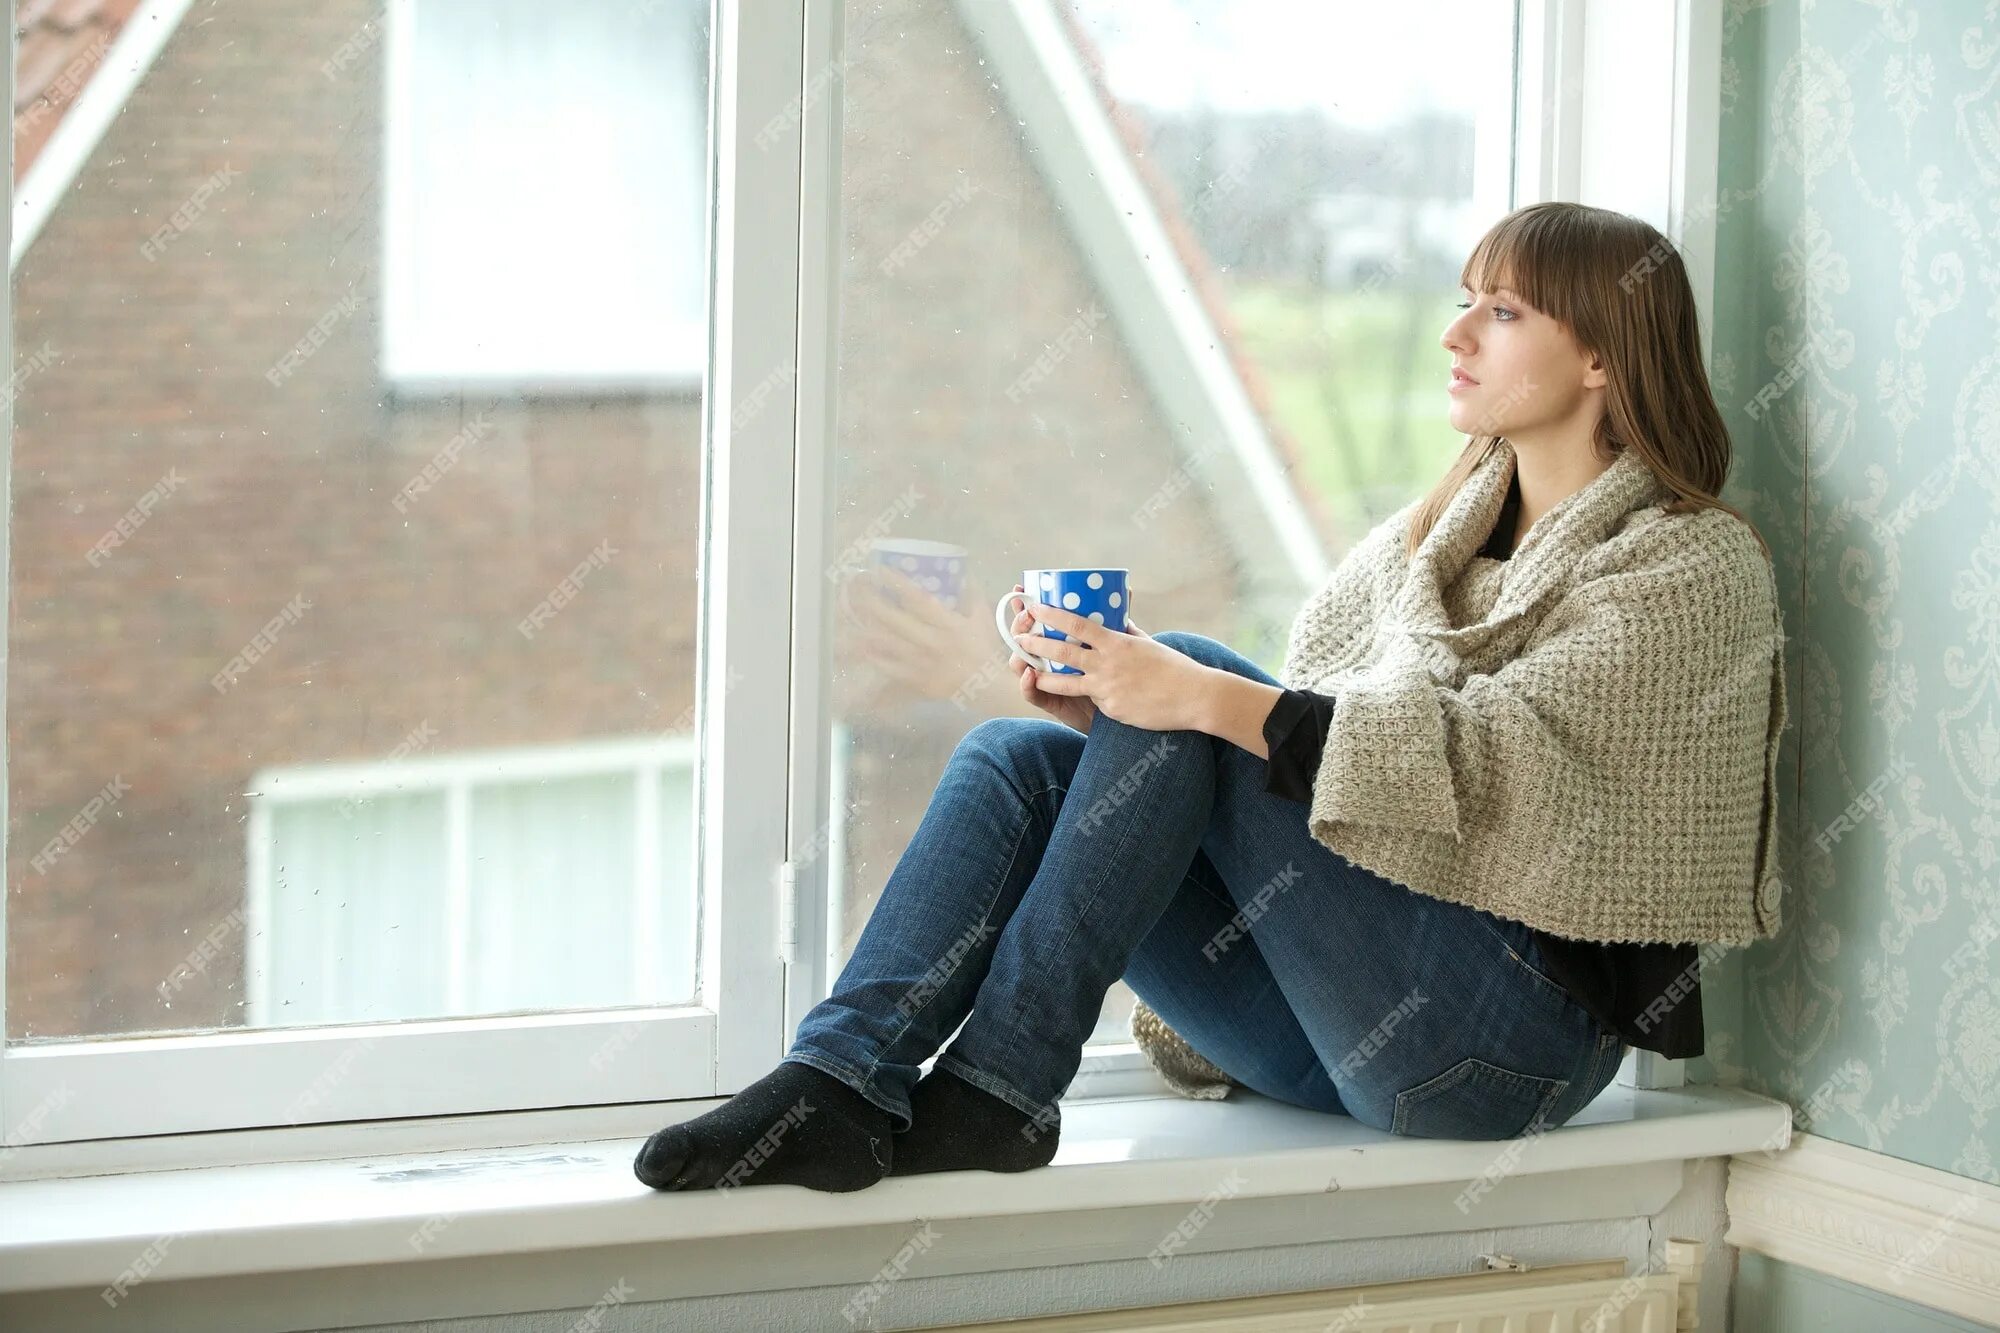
x,y
1622,291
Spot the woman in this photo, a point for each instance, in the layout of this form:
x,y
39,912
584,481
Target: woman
x,y
1533,717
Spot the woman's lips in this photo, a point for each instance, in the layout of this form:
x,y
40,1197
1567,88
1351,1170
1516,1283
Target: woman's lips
x,y
1460,380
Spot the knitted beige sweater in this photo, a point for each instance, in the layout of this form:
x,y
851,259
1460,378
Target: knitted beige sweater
x,y
1583,737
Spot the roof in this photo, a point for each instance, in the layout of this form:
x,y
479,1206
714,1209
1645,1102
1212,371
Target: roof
x,y
61,44
1133,234
1194,258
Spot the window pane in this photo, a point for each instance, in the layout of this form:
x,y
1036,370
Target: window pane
x,y
351,926
1334,164
553,893
1174,361
359,378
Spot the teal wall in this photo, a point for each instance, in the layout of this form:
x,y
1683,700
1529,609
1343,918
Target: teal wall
x,y
1771,1297
1858,242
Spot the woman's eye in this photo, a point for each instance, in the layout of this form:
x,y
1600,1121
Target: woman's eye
x,y
1498,309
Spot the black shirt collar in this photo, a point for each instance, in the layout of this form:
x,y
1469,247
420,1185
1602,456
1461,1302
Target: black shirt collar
x,y
1501,538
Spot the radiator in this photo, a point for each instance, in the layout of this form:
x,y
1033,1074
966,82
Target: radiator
x,y
1589,1297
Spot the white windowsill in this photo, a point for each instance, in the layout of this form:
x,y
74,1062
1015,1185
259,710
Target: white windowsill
x,y
1139,1160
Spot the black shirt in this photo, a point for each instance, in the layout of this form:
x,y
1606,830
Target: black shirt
x,y
1616,982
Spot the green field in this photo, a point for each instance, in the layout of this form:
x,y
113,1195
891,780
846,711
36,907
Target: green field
x,y
1357,381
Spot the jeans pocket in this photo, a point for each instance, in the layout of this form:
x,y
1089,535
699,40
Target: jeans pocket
x,y
1514,938
1475,1100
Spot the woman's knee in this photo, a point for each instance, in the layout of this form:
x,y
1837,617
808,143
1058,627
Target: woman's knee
x,y
1029,755
1210,652
1014,741
1198,646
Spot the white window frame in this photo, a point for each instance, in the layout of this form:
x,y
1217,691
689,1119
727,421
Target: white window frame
x,y
82,1108
73,1106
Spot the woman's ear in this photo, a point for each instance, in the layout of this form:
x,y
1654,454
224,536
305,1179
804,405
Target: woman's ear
x,y
1595,376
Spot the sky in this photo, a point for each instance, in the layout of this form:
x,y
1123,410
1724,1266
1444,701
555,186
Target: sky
x,y
1365,62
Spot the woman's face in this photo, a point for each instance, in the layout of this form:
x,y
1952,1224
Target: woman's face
x,y
1528,370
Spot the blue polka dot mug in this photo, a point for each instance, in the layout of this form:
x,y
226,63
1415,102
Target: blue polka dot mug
x,y
1095,594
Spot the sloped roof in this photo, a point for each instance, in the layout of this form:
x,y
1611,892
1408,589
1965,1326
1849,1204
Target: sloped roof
x,y
1194,258
62,43
1132,232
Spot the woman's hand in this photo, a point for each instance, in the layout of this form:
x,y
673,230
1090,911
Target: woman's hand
x,y
1070,710
1127,675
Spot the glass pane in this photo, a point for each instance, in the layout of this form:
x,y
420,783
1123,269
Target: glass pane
x,y
359,374
1335,164
1156,365
350,927
552,893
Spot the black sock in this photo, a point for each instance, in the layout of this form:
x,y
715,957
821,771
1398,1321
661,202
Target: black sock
x,y
795,1126
957,1127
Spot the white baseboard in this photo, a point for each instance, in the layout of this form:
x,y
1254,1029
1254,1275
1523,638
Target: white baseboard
x,y
1892,1226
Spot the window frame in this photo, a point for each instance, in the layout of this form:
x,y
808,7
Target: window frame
x,y
66,1104
773,165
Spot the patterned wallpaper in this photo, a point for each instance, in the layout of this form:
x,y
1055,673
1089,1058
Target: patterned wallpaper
x,y
1857,360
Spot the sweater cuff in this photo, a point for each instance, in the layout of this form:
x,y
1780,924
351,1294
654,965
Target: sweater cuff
x,y
1386,762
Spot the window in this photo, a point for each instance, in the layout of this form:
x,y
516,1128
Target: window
x,y
1068,239
354,405
375,343
524,880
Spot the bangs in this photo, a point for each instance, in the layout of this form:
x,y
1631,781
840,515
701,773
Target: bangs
x,y
1507,256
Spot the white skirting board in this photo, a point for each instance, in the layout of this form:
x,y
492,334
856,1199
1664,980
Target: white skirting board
x,y
1892,1226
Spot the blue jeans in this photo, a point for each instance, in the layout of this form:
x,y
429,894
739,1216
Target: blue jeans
x,y
1050,864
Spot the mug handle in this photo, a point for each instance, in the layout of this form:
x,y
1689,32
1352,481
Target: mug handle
x,y
1003,617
